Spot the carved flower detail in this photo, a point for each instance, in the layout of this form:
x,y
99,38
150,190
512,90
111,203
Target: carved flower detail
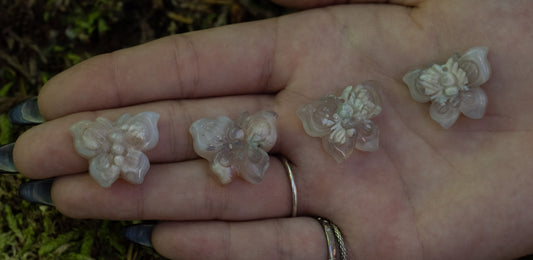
x,y
454,87
236,148
114,149
343,122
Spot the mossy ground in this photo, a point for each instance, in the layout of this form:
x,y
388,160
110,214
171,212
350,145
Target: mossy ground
x,y
39,39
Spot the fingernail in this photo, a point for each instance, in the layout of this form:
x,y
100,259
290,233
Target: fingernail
x,y
26,112
140,234
6,159
38,191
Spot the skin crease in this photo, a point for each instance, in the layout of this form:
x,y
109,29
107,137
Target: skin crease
x,y
427,193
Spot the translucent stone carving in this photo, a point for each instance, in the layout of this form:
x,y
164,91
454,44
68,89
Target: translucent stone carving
x,y
115,148
454,87
343,122
236,148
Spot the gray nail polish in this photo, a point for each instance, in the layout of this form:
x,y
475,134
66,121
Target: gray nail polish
x,y
140,234
26,112
38,191
6,159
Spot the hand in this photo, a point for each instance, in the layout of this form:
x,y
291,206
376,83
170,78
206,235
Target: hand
x,y
462,193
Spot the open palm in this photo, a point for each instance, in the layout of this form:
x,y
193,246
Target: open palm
x,y
461,193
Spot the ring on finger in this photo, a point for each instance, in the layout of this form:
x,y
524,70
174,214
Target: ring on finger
x,y
335,242
294,192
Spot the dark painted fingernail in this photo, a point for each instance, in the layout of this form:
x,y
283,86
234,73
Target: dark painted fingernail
x,y
6,159
140,234
38,191
26,113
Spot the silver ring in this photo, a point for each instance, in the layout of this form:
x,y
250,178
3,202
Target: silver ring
x,y
335,242
287,166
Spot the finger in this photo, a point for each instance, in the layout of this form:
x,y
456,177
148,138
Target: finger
x,y
317,3
181,191
229,60
293,238
47,150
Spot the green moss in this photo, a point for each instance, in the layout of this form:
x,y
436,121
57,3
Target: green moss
x,y
5,129
87,243
59,244
5,89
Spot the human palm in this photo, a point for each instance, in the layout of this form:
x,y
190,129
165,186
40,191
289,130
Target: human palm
x,y
426,193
